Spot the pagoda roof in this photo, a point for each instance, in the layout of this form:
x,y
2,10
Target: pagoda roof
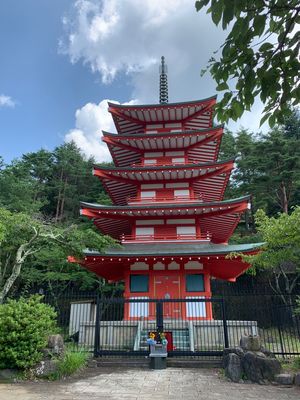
x,y
201,145
208,180
219,219
112,262
171,249
195,114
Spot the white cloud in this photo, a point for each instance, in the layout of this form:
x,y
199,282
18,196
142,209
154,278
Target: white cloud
x,y
6,101
116,37
129,36
90,120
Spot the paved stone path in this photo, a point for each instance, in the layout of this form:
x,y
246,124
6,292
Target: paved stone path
x,y
172,383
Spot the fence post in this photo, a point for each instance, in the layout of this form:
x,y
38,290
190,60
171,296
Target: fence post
x,y
97,328
278,320
159,316
226,338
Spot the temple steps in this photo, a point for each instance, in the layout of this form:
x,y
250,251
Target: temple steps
x,y
143,362
181,339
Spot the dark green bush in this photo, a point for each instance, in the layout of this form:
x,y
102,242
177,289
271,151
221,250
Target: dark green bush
x,y
24,327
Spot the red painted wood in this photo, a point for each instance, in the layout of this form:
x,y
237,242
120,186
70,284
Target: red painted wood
x,y
200,143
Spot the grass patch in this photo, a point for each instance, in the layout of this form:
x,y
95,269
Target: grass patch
x,y
293,365
71,362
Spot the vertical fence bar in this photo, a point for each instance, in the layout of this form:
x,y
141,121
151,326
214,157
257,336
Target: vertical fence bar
x,y
97,328
159,316
226,338
280,338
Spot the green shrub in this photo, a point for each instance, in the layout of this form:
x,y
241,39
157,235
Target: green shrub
x,y
71,362
24,327
296,363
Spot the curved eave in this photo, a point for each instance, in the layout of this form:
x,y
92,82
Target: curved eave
x,y
199,145
137,169
190,115
218,219
183,103
95,206
110,264
208,180
169,250
138,136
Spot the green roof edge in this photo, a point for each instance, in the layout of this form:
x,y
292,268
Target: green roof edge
x,y
160,105
180,166
134,135
232,248
231,201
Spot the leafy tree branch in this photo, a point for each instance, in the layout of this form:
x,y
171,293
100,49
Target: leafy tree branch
x,y
250,62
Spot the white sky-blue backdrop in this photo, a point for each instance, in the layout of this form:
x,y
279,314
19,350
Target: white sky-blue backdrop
x,y
62,59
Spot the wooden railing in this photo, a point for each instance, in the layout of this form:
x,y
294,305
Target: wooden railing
x,y
158,199
158,238
162,161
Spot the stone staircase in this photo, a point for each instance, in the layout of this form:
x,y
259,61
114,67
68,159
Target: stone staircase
x,y
181,339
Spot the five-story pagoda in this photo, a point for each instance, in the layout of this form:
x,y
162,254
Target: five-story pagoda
x,y
168,211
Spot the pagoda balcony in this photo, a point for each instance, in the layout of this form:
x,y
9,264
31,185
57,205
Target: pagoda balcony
x,y
189,198
164,162
182,238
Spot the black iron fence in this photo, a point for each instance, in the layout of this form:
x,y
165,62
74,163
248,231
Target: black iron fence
x,y
122,326
193,327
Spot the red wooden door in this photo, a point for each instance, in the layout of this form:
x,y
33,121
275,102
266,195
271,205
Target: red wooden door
x,y
168,287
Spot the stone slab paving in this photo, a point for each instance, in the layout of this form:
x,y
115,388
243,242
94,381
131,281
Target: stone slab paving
x,y
136,384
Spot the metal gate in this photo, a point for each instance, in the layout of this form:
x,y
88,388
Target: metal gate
x,y
122,326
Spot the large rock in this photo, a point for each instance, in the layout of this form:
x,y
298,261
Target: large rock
x,y
250,343
45,367
257,367
233,367
297,379
8,375
236,350
56,344
285,379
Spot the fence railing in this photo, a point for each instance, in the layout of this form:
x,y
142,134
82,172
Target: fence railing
x,y
193,326
157,237
122,326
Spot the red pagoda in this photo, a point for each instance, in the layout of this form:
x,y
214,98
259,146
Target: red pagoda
x,y
168,211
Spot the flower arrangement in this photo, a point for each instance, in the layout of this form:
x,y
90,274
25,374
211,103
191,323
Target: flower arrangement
x,y
157,338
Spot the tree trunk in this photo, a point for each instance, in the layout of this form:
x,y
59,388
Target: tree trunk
x,y
15,272
59,196
284,199
62,203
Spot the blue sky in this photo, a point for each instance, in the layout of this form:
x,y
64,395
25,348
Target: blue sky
x,y
45,86
62,59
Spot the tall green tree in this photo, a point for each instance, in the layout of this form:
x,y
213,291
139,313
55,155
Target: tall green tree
x,y
72,181
23,237
52,183
280,256
268,166
260,56
18,189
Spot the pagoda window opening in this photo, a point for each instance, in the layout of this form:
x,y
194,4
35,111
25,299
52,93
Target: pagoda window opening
x,y
148,194
139,283
150,161
144,232
182,193
186,231
194,283
154,154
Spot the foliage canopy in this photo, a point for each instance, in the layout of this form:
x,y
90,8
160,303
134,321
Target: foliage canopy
x,y
281,253
260,55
